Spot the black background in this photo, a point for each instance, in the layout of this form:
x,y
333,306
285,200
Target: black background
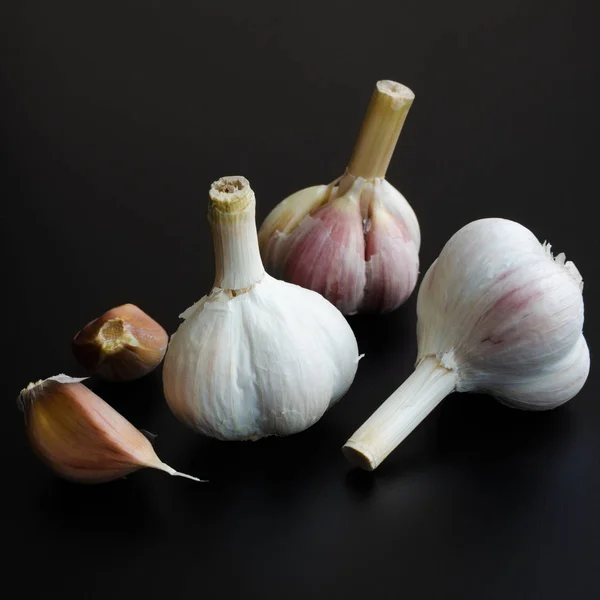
x,y
116,117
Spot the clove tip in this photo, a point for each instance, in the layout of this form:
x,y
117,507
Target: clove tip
x,y
161,466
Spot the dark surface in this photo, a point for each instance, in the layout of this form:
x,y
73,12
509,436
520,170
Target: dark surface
x,y
116,117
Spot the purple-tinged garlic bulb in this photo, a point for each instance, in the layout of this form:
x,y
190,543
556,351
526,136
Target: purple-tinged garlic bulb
x,y
355,241
497,314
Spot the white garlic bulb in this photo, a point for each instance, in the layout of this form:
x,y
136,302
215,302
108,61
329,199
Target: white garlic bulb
x,y
355,241
257,356
497,314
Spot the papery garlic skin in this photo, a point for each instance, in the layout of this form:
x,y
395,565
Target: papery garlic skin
x,y
267,362
355,241
262,358
81,437
509,322
497,314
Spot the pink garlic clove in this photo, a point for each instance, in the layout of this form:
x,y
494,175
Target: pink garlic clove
x,y
399,208
325,253
392,260
285,217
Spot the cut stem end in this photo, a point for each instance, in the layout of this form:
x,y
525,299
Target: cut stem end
x,y
359,457
380,129
238,265
230,194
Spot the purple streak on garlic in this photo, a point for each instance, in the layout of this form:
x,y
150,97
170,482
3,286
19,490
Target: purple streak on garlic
x,y
355,241
497,314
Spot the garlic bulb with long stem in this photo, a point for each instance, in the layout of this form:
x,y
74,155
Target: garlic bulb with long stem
x,y
497,314
355,241
257,356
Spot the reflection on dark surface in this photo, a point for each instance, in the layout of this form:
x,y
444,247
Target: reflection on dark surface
x,y
486,430
361,484
270,460
120,508
477,431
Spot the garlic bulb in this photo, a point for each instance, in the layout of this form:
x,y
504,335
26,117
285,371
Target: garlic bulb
x,y
257,356
81,437
355,241
497,314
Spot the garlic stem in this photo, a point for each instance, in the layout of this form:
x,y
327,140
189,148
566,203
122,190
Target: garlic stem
x,y
380,129
396,418
231,211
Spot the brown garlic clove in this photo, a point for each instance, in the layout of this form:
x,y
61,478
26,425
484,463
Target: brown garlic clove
x,y
121,345
80,436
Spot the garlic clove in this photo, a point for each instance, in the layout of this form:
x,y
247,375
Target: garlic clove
x,y
497,314
81,437
121,345
356,275
326,254
399,208
388,242
287,215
